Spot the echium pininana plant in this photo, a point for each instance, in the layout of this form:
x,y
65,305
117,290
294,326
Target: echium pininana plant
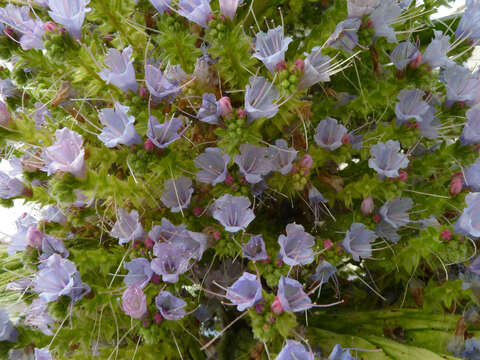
x,y
194,179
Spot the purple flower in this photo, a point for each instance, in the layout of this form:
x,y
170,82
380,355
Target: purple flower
x,y
253,162
213,166
50,245
127,228
340,354
233,212
436,52
430,124
255,249
160,5
329,134
260,98
59,277
296,247
53,214
210,110
42,354
469,25
386,158
120,71
472,176
164,134
245,292
19,241
171,307
411,105
29,30
229,7
315,199
387,231
66,154
294,351
191,244
270,47
197,11
359,8
282,156
471,131
70,14
383,17
291,295
403,54
159,84
357,241
324,272
139,272
7,331
317,69
166,232
396,212
119,127
170,262
4,115
40,114
10,187
37,316
345,35
7,88
177,194
460,83
134,302
469,222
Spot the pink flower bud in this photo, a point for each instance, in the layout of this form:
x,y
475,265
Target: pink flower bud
x,y
157,318
446,235
456,186
279,262
243,181
156,279
415,63
225,106
259,308
346,139
241,113
299,65
461,103
402,175
197,210
458,174
149,243
34,237
277,306
50,26
217,235
210,17
306,162
367,206
376,218
281,66
229,180
148,145
327,244
136,244
142,92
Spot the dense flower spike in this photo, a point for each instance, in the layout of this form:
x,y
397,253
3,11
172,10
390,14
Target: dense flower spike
x,y
253,162
119,126
210,110
213,166
291,297
329,134
134,302
296,247
229,7
66,154
70,14
233,212
294,350
162,135
270,47
171,307
282,156
255,249
387,159
357,241
120,71
139,272
128,227
197,11
260,99
469,223
245,292
177,193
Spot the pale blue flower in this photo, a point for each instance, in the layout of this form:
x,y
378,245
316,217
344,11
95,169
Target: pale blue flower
x,y
436,52
139,272
177,193
213,164
119,126
270,47
233,212
317,69
294,350
297,247
386,158
245,292
253,162
127,228
170,307
282,156
291,295
469,221
345,35
329,134
70,14
357,241
120,71
197,11
260,99
162,135
383,17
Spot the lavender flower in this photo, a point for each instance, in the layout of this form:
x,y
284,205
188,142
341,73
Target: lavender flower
x,y
162,135
294,350
396,212
119,127
37,316
4,115
253,162
229,7
472,176
7,88
345,35
471,131
255,249
359,8
134,302
387,231
120,71
166,232
177,194
340,354
40,114
383,17
42,354
282,156
329,134
270,47
430,124
233,212
324,272
411,106
291,296
29,30
70,14
160,5
213,166
210,110
460,83
436,52
317,69
245,292
260,98
66,154
10,187
357,241
139,272
19,241
403,54
469,25
50,245
195,10
170,262
296,247
7,331
53,214
159,84
59,277
170,307
315,199
469,222
387,159
127,227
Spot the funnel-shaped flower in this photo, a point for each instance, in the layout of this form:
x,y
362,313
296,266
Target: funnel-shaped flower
x,y
159,84
40,114
357,241
210,110
37,316
396,212
255,249
70,14
460,83
119,127
233,212
20,240
134,302
245,292
29,30
170,262
166,232
197,11
164,134
253,162
410,106
383,17
471,131
213,166
436,52
294,350
345,35
139,272
469,25
229,7
469,222
7,331
387,231
127,228
317,69
359,8
291,295
260,98
403,54
329,134
282,156
270,47
170,307
472,176
338,353
177,194
120,71
324,272
161,5
10,187
296,247
386,158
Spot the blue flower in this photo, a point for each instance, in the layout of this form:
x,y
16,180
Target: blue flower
x,y
472,176
469,25
329,134
296,247
170,307
469,222
127,228
177,193
162,135
291,295
119,127
471,131
357,241
213,166
253,162
7,331
270,47
396,212
436,52
30,31
37,315
282,156
233,212
70,14
53,214
403,54
210,110
170,261
359,8
19,241
10,187
255,249
386,159
345,35
229,7
139,272
260,99
197,11
166,232
161,5
317,69
294,350
245,292
40,114
120,71
460,83
324,272
160,84
387,231
340,354
383,17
